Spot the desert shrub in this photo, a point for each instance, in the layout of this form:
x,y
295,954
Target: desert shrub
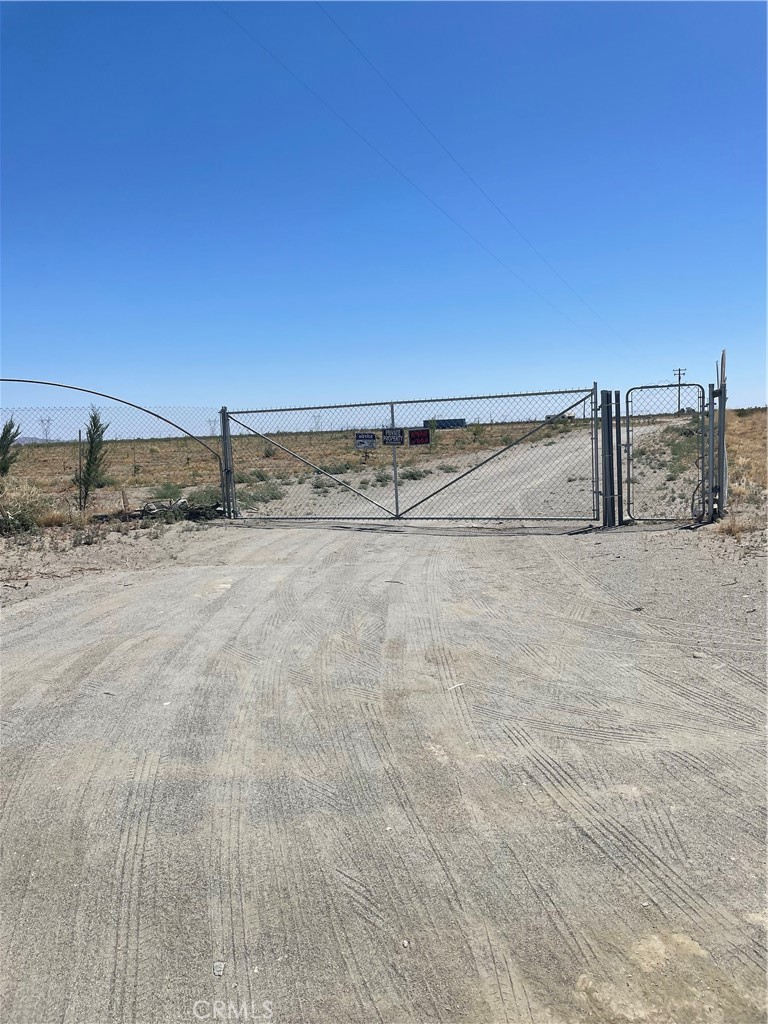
x,y
168,491
269,451
205,496
445,468
250,476
382,477
335,468
411,473
750,411
260,494
9,450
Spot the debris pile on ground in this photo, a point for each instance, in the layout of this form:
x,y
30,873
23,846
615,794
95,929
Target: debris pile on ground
x,y
167,511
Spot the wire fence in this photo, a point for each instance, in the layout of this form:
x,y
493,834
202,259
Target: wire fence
x,y
145,457
521,456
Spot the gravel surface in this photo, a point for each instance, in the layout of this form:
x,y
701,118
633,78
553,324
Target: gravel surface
x,y
384,773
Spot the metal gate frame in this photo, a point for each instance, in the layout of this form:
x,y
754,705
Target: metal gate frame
x,y
705,461
229,493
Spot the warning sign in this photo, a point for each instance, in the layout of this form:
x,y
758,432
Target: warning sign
x,y
418,436
364,439
393,435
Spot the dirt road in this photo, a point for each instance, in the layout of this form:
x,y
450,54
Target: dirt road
x,y
372,774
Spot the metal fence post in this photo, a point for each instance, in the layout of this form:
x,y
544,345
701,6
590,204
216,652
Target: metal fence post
x,y
710,510
394,462
609,489
619,461
80,470
595,455
228,495
722,458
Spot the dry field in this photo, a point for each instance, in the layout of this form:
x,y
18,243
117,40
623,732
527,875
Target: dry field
x,y
145,469
174,467
747,447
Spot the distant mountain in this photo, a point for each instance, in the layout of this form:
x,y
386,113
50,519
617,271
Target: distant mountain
x,y
31,440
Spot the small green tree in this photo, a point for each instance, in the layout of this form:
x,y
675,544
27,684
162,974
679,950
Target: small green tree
x,y
94,467
9,450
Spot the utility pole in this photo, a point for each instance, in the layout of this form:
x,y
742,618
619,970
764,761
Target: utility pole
x,y
679,373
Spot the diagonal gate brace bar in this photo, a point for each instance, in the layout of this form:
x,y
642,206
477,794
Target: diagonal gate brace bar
x,y
306,462
540,426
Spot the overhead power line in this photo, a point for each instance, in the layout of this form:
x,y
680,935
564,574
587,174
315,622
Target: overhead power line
x,y
460,165
397,170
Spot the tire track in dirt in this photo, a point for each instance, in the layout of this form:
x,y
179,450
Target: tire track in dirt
x,y
286,866
254,724
352,774
717,647
377,726
425,613
324,794
630,852
128,891
712,714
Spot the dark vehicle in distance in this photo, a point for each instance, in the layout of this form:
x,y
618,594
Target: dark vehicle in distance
x,y
445,424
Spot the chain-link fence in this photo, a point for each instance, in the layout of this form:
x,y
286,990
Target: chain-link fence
x,y
144,457
528,456
666,452
515,456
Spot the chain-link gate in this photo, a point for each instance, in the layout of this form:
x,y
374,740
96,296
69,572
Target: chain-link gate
x,y
667,452
515,456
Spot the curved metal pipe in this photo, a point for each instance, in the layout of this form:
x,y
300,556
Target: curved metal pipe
x,y
112,398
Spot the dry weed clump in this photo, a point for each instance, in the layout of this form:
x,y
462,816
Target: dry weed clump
x,y
25,507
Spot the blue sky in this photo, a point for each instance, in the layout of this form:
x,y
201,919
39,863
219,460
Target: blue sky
x,y
184,223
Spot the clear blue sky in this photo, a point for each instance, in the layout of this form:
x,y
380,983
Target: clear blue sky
x,y
183,223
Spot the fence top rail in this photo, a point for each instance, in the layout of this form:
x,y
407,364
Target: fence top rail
x,y
413,401
659,387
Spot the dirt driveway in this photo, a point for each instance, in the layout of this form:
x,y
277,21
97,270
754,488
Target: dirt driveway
x,y
325,776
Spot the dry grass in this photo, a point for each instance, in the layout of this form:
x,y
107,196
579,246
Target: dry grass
x,y
747,447
747,442
139,467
